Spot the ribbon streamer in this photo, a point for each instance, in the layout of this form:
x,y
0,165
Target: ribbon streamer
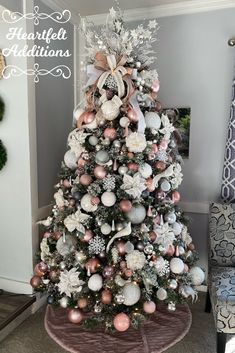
x,y
166,174
122,233
135,105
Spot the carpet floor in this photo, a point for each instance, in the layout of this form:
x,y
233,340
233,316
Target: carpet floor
x,y
31,337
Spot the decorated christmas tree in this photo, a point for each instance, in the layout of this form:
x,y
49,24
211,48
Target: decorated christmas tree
x,y
116,243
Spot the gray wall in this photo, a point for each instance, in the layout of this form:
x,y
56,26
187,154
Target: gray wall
x,y
13,5
54,108
196,68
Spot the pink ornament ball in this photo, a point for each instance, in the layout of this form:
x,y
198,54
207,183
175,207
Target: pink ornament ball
x,y
85,179
88,117
46,235
175,196
66,183
121,322
95,200
149,307
132,115
75,316
128,272
110,133
163,144
100,172
35,281
170,250
160,165
150,185
125,205
155,86
123,264
133,167
154,148
38,272
88,235
121,247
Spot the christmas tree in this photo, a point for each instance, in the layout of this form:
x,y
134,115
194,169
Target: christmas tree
x,y
116,243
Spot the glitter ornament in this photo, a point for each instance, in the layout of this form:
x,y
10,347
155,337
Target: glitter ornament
x,y
137,214
64,302
108,272
176,265
121,322
173,284
145,170
161,294
86,203
177,228
197,275
131,292
162,156
124,121
70,160
108,198
95,282
75,316
111,109
149,307
93,140
96,245
105,229
102,157
110,133
153,120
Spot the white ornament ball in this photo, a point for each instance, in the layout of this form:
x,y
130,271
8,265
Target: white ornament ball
x,y
93,140
165,186
131,292
66,245
170,217
161,294
64,302
137,214
77,114
108,198
177,228
87,205
145,170
70,160
95,282
110,110
197,275
122,170
124,121
153,120
176,265
105,229
102,157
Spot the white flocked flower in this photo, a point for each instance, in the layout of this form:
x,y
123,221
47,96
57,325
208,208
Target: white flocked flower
x,y
45,250
59,198
70,282
136,142
165,235
76,140
168,128
135,260
185,236
75,220
177,176
134,186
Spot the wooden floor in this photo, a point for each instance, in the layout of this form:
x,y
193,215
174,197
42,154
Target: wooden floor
x,y
12,305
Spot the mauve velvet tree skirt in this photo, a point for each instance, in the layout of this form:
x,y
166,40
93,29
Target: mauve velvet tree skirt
x,y
161,331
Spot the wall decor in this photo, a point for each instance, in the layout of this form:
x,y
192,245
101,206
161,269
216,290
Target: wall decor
x,y
181,117
2,64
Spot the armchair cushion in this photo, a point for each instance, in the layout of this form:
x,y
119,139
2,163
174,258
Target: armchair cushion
x,y
222,293
222,235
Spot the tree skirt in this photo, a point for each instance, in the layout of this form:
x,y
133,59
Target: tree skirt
x,y
160,332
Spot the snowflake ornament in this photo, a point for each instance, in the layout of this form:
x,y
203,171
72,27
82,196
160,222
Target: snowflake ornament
x,y
75,221
109,183
96,245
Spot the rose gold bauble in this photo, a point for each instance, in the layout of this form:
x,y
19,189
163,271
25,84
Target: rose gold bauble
x,y
150,185
75,316
164,144
154,148
132,115
66,183
43,266
123,264
130,154
35,281
160,195
82,303
57,235
133,166
170,250
54,275
110,133
87,236
85,179
92,264
108,272
95,200
128,272
160,165
106,296
175,196
47,235
100,172
149,307
152,236
72,202
186,268
121,322
38,272
121,247
191,246
87,117
125,205
81,162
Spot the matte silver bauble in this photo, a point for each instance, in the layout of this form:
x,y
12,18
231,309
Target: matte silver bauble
x,y
105,229
117,144
170,217
122,170
70,160
137,214
93,140
102,157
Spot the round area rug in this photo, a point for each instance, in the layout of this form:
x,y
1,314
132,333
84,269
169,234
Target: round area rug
x,y
159,333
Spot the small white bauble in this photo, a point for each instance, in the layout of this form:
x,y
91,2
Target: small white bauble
x,y
92,126
110,110
170,217
106,229
70,160
95,282
176,265
87,205
64,302
124,121
181,250
66,245
122,170
161,294
93,140
102,157
197,275
108,198
165,186
145,170
153,120
137,214
177,228
78,113
173,284
131,292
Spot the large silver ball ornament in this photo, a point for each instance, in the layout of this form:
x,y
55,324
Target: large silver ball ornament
x,y
93,140
102,157
170,217
108,198
122,170
66,245
70,160
131,292
137,214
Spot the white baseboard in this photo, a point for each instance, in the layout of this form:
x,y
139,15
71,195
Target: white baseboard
x,y
15,286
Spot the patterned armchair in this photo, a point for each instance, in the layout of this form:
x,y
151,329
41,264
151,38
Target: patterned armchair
x,y
221,276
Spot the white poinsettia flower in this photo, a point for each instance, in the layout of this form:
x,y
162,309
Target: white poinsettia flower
x,y
177,176
70,282
167,129
136,142
135,260
76,140
59,198
165,235
134,186
185,236
45,250
46,222
75,220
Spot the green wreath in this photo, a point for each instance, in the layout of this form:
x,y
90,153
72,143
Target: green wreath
x,y
3,155
2,108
